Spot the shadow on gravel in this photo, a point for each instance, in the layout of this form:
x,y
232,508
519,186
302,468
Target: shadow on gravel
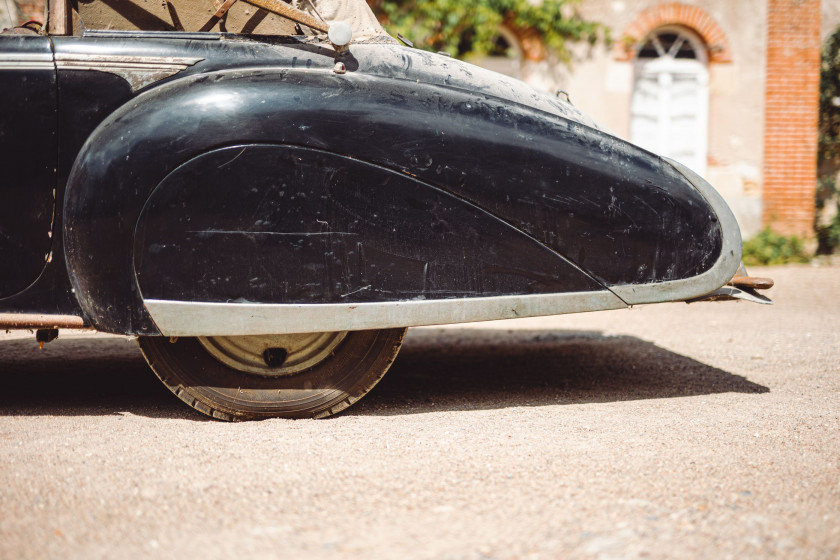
x,y
474,369
437,369
83,377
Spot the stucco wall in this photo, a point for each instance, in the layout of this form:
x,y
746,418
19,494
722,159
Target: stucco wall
x,y
9,14
830,18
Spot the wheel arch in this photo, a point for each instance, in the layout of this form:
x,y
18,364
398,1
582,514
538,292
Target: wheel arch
x,y
129,154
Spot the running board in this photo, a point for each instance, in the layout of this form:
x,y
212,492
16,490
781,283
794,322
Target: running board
x,y
187,318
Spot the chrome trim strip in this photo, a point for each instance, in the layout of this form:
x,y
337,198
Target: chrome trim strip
x,y
31,57
134,34
26,61
184,318
22,65
138,71
126,60
696,286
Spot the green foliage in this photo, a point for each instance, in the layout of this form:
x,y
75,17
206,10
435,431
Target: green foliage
x,y
771,248
470,27
828,237
828,194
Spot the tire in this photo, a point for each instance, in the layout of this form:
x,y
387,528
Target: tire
x,y
288,376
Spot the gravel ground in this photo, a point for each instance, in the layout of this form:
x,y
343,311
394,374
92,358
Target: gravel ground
x,y
666,431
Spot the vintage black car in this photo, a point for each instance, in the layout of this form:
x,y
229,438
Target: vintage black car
x,y
268,207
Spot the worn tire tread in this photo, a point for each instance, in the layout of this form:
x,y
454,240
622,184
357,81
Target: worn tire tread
x,y
170,361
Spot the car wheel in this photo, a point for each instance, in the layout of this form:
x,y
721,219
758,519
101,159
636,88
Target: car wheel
x,y
309,375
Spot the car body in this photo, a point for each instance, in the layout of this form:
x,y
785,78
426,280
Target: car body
x,y
248,205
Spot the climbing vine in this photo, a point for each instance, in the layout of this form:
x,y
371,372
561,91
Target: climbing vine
x,y
828,193
470,27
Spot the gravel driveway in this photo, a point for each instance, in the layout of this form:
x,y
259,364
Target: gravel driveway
x,y
666,431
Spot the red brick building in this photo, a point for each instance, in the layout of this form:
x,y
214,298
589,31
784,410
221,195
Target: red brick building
x,y
791,115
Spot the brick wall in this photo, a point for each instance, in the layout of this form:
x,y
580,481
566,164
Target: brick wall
x,y
792,115
674,13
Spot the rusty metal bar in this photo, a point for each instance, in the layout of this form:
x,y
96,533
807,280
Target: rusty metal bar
x,y
37,321
220,12
223,9
752,282
283,9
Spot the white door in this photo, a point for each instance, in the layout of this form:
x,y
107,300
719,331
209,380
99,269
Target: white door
x,y
670,105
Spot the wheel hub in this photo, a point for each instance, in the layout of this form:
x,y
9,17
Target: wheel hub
x,y
273,355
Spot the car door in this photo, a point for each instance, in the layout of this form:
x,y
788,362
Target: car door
x,y
28,154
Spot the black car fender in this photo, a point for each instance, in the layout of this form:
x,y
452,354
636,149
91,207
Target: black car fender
x,y
610,210
282,224
144,142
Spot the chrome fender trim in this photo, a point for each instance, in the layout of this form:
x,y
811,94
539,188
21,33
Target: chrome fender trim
x,y
721,272
187,318
138,71
26,61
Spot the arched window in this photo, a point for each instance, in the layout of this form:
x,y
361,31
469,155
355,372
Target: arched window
x,y
506,56
669,110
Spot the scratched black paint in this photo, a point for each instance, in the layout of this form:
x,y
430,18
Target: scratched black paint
x,y
314,227
573,192
28,148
